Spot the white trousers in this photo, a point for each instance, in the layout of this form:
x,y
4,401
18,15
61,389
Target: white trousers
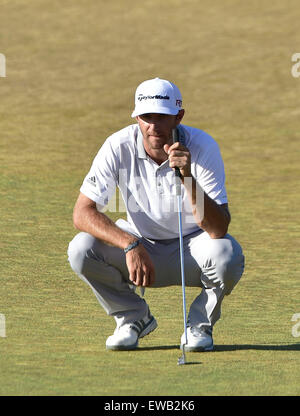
x,y
215,265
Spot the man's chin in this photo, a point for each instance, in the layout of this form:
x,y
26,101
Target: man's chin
x,y
157,140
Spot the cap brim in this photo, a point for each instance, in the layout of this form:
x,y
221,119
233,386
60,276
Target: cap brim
x,y
157,110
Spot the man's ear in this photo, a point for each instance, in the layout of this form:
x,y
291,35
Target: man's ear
x,y
179,116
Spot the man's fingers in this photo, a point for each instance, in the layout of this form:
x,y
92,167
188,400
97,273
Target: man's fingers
x,y
145,279
177,162
132,277
140,267
178,156
139,278
149,278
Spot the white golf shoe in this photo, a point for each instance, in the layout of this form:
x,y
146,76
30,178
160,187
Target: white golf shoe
x,y
126,337
197,340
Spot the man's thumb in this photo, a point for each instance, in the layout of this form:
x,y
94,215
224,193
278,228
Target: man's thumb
x,y
166,148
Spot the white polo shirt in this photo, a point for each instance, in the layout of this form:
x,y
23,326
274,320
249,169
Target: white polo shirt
x,y
148,189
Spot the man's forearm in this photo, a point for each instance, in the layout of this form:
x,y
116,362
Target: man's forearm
x,y
89,220
211,217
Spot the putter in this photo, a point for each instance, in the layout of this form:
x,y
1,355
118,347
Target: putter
x,y
182,359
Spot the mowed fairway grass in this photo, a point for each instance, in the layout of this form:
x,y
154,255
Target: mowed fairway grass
x,y
72,69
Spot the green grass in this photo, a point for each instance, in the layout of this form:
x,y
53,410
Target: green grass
x,y
72,69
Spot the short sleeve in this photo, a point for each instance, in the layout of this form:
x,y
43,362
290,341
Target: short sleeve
x,y
210,173
100,183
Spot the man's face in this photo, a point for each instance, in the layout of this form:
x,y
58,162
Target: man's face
x,y
157,128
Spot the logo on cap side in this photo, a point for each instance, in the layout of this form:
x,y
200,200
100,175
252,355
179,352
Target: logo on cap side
x,y
142,97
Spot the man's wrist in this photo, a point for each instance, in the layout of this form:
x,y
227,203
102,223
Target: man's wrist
x,y
132,246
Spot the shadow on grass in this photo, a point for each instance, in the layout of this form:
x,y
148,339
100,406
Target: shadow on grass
x,y
192,363
261,347
167,347
159,347
237,347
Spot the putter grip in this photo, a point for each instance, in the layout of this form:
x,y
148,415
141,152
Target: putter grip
x,y
176,139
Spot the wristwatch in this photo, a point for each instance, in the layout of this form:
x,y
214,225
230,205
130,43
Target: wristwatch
x,y
131,246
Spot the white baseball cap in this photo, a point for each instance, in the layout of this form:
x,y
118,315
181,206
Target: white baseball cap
x,y
157,96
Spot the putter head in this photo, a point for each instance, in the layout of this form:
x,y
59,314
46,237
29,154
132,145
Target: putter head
x,y
182,360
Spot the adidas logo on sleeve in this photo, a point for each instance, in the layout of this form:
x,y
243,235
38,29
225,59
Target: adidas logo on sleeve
x,y
92,180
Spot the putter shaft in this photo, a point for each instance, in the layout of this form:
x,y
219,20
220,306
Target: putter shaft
x,y
182,359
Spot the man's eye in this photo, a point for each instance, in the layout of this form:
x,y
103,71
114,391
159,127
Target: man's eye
x,y
146,118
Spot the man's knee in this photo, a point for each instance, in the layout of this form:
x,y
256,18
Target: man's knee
x,y
78,249
231,263
233,272
225,256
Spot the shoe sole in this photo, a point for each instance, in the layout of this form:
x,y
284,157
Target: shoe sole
x,y
151,326
121,347
197,349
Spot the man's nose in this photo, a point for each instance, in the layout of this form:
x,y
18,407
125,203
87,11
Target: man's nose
x,y
155,124
154,129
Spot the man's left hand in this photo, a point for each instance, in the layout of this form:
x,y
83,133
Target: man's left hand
x,y
179,156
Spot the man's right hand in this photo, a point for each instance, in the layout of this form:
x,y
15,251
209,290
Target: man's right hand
x,y
140,266
87,218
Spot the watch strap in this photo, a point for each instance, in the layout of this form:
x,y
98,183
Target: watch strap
x,y
131,246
